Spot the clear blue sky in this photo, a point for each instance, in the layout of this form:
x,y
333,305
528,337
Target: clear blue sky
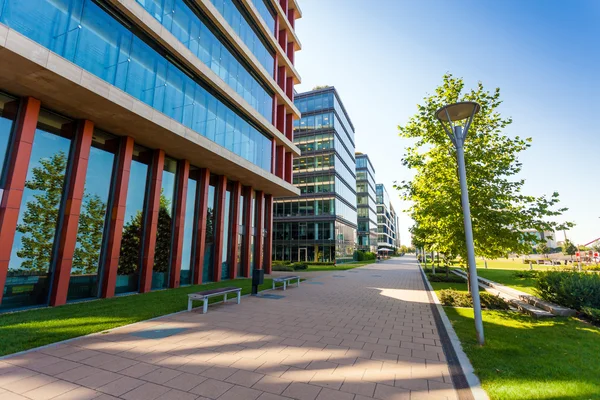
x,y
384,56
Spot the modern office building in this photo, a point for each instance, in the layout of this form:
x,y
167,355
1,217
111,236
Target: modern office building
x,y
320,225
366,204
387,222
141,143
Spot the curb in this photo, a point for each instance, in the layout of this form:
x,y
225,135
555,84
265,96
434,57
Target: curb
x,y
468,373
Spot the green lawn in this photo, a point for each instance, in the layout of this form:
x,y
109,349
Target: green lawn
x,y
28,329
505,277
339,267
524,358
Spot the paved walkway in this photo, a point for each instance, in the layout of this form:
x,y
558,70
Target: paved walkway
x,y
349,335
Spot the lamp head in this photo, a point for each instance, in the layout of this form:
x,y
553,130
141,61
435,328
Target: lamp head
x,y
457,111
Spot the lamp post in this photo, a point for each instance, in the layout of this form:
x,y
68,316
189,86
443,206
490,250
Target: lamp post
x,y
449,116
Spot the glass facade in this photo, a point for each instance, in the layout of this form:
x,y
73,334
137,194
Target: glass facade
x,y
84,282
366,203
130,256
209,244
265,12
321,224
386,221
189,225
239,22
179,19
29,269
87,35
8,113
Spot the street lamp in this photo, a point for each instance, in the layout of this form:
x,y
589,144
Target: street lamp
x,y
449,116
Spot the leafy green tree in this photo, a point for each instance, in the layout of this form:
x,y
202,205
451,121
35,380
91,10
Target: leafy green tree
x,y
500,211
163,236
89,235
543,249
41,215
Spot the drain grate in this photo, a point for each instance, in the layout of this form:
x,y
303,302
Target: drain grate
x,y
313,283
271,296
158,333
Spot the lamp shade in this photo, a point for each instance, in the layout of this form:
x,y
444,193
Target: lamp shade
x,y
457,111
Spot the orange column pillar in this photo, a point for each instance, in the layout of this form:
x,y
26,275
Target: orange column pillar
x,y
260,226
183,173
117,217
72,209
203,183
220,228
16,174
151,221
235,229
288,167
268,256
248,232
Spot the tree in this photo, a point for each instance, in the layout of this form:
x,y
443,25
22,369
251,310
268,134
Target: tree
x,y
163,236
569,248
543,249
500,211
320,87
41,215
89,235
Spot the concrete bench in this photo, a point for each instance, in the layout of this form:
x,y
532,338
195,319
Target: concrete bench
x,y
286,280
204,296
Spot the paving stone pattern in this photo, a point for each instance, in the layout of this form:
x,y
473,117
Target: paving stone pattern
x,y
371,335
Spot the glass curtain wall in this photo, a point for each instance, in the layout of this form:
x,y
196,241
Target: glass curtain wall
x,y
189,240
128,272
209,246
225,261
8,113
241,235
84,282
29,269
164,232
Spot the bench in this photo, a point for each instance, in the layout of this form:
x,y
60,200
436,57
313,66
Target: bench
x,y
285,280
204,296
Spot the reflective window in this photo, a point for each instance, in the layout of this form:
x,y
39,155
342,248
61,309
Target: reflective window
x,y
209,245
185,274
241,235
92,219
28,280
189,29
164,232
244,30
226,233
85,34
128,272
265,12
8,113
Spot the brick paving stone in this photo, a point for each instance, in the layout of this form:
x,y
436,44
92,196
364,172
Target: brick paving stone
x,y
33,382
50,390
369,335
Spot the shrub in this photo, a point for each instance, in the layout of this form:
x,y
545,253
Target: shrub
x,y
593,314
280,262
299,266
360,255
322,263
281,267
570,289
527,261
525,274
454,298
441,277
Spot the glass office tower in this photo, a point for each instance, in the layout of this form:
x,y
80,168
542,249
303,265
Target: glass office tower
x,y
321,224
366,204
387,222
141,143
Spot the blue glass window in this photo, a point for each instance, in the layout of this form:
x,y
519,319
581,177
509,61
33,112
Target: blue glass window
x,y
85,34
8,112
265,13
187,253
209,244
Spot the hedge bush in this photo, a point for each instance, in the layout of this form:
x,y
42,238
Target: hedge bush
x,y
281,267
454,298
364,255
525,274
570,289
441,277
527,261
592,313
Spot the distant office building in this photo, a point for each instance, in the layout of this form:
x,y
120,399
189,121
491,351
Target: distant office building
x,y
320,225
547,237
366,204
387,222
141,143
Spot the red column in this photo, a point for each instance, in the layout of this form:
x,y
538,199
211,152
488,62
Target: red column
x,y
289,88
268,256
289,127
247,233
235,228
183,173
283,39
281,77
279,161
281,119
273,156
290,51
292,18
288,167
16,173
284,5
72,209
203,183
220,228
117,217
260,224
151,227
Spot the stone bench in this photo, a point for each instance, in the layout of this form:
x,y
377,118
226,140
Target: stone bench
x,y
205,295
286,280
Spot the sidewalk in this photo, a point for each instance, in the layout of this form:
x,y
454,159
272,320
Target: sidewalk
x,y
348,335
